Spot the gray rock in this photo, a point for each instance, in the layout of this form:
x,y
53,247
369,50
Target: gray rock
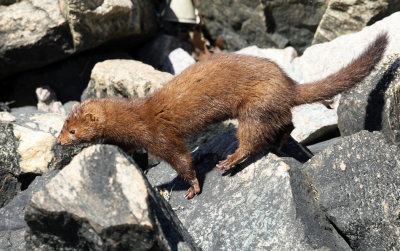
x,y
12,240
69,105
9,169
27,147
101,201
320,146
349,16
264,23
259,206
95,22
178,60
36,34
357,184
124,78
40,32
321,60
373,104
12,223
4,107
313,122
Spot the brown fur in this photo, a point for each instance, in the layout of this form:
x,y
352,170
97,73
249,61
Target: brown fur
x,y
254,90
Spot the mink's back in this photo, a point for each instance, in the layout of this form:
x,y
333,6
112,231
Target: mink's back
x,y
224,86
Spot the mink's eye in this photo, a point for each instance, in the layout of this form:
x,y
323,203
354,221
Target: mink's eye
x,y
72,131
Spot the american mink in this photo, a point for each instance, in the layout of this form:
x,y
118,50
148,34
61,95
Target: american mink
x,y
254,90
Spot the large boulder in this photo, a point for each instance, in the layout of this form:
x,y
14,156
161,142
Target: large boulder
x,y
349,16
321,60
356,182
9,185
124,78
263,204
101,201
264,23
374,104
39,32
95,22
27,148
34,33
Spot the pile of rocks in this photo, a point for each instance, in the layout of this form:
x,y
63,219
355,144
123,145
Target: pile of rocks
x,y
339,192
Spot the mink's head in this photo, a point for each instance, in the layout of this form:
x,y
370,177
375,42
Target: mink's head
x,y
85,123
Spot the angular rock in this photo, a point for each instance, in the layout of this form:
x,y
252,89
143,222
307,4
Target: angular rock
x,y
373,104
349,16
313,122
35,135
320,146
357,184
36,33
264,23
32,34
27,147
101,201
258,207
95,22
12,223
124,78
178,60
12,240
321,60
9,185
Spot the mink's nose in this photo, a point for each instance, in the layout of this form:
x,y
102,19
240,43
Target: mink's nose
x,y
58,141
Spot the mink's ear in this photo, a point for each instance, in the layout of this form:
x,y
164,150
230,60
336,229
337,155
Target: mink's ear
x,y
91,117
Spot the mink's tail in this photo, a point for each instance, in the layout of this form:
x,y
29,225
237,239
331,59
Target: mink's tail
x,y
345,78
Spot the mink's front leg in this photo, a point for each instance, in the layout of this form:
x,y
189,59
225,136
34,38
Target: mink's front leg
x,y
178,156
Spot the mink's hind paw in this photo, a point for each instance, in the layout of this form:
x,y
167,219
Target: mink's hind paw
x,y
225,164
190,193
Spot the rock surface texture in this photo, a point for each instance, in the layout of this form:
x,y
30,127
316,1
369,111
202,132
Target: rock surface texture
x,y
27,147
32,34
374,104
357,183
254,208
12,223
264,23
9,169
95,22
349,16
101,201
124,78
39,32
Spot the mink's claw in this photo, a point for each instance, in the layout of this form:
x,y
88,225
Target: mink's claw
x,y
190,193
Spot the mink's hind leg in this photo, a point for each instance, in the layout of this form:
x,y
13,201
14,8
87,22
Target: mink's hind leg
x,y
254,136
251,135
178,156
283,136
